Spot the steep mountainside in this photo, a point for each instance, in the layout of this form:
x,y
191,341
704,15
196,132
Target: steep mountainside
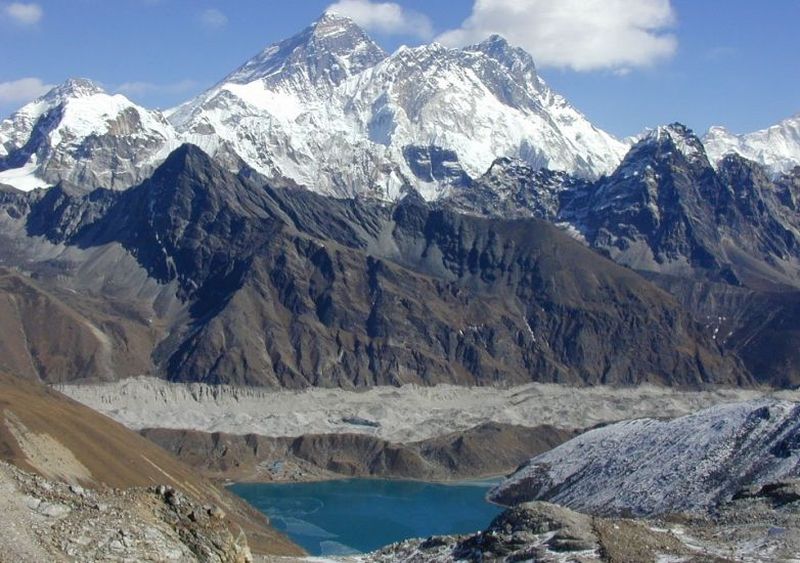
x,y
44,432
725,242
79,133
649,467
250,285
776,147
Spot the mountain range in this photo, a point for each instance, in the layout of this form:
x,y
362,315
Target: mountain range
x,y
332,215
328,109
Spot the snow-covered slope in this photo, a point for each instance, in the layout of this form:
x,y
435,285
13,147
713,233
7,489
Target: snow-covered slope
x,y
78,132
648,467
777,147
330,110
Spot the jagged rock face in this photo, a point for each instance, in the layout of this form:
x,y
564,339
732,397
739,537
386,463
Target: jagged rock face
x,y
512,189
80,134
645,215
777,147
789,188
288,288
648,467
433,164
665,210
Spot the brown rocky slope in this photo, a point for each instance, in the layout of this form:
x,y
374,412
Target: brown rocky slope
x,y
488,449
43,432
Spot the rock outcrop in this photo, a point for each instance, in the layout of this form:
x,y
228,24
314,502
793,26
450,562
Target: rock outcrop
x,y
52,521
759,525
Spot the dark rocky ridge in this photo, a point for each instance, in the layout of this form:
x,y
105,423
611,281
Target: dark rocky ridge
x,y
724,242
665,209
488,449
288,288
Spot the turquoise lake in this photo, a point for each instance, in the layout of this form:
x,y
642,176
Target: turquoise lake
x,y
359,515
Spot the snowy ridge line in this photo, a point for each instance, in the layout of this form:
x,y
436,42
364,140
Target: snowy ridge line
x,y
327,108
649,467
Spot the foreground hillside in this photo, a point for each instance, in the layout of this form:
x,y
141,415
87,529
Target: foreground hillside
x,y
720,485
652,467
45,433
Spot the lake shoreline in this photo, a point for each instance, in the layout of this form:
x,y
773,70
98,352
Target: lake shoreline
x,y
462,480
354,516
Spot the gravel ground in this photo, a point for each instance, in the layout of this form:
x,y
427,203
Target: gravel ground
x,y
45,520
399,414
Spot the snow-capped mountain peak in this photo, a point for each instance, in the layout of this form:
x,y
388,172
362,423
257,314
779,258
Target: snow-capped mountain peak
x,y
682,138
517,61
79,132
326,53
777,147
330,110
73,88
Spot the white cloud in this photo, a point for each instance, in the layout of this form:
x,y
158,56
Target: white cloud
x,y
213,18
24,14
578,34
384,17
140,88
22,90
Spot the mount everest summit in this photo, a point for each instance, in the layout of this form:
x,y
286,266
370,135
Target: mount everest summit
x,y
327,109
330,110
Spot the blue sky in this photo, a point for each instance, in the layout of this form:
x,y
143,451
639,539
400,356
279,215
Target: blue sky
x,y
701,62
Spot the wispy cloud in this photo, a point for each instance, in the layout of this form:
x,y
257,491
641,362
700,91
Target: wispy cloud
x,y
213,18
719,53
385,17
142,88
582,35
22,90
24,14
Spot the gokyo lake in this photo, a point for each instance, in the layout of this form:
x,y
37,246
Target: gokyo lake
x,y
360,515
